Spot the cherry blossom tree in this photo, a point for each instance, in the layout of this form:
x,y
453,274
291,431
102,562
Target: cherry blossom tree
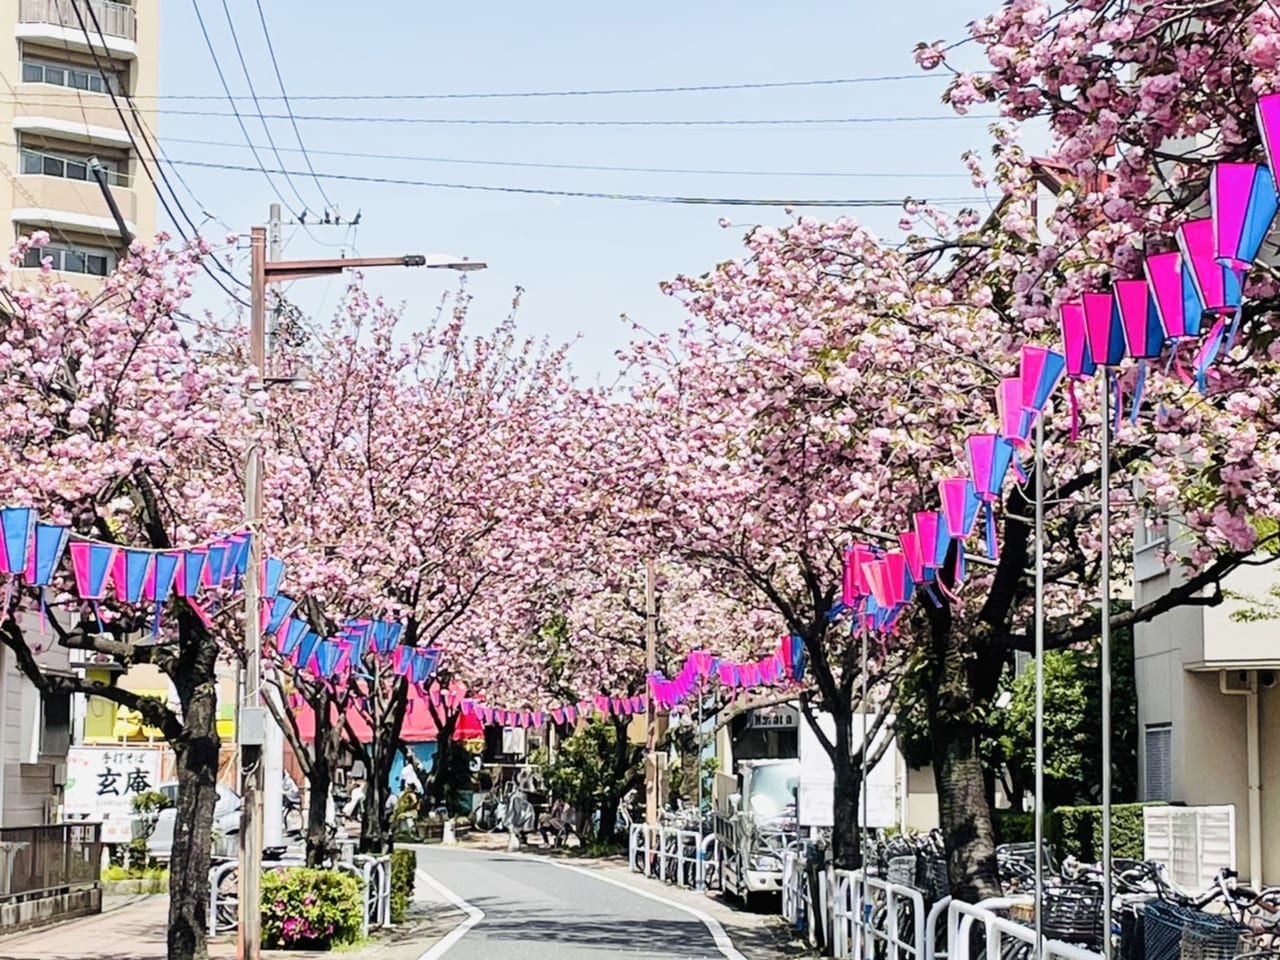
x,y
826,381
121,428
418,468
1140,100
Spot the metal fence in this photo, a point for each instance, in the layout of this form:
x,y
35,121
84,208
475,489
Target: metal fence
x,y
116,19
1002,936
874,918
681,857
49,859
373,872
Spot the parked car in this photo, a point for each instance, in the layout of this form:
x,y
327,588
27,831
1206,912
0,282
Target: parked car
x,y
226,821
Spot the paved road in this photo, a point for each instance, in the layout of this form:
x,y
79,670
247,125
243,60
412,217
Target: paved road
x,y
534,910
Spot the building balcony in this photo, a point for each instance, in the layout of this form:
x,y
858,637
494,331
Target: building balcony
x,y
56,203
55,22
58,112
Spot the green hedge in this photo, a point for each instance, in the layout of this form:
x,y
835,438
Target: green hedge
x,y
310,909
1013,826
404,863
1078,831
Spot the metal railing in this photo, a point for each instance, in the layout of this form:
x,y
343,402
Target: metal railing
x,y
61,167
874,918
1003,937
373,872
48,859
115,19
676,856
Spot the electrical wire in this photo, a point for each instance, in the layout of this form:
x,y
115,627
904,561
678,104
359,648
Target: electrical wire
x,y
235,112
588,194
253,93
522,122
141,161
617,91
275,64
527,164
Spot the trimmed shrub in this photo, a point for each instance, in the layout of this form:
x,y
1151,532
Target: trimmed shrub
x,y
404,863
1077,831
305,909
1013,826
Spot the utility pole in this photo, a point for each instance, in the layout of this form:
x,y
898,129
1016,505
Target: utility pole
x,y
251,725
652,778
273,747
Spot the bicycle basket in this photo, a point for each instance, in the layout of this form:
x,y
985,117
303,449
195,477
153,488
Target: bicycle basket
x,y
1073,914
931,878
1173,932
902,870
1211,937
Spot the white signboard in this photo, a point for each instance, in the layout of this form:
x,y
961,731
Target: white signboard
x,y
102,782
817,779
780,716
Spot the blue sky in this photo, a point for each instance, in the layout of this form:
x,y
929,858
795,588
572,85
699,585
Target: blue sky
x,y
582,262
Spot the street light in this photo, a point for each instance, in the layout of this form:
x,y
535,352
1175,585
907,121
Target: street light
x,y
252,721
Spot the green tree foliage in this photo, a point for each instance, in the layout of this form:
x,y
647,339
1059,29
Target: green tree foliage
x,y
1072,724
593,770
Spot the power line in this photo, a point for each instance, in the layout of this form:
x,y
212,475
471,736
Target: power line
x,y
605,168
253,93
108,86
607,92
231,100
588,194
275,64
521,122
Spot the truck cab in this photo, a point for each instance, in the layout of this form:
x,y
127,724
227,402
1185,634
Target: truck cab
x,y
755,821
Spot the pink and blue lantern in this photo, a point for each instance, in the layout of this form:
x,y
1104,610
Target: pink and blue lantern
x,y
1243,202
19,524
1080,361
133,569
1143,333
989,458
1042,370
92,565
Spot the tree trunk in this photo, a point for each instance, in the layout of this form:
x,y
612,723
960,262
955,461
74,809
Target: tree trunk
x,y
967,679
375,829
324,758
846,850
197,770
964,814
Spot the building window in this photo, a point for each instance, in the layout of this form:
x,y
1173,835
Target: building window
x,y
65,75
39,164
1155,528
1158,765
97,263
55,731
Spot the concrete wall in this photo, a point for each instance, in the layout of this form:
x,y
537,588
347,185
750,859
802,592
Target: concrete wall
x,y
1178,660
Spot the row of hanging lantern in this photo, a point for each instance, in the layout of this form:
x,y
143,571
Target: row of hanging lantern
x,y
1198,283
879,584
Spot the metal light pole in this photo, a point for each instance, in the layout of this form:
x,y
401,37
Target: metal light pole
x,y
1105,656
651,790
1038,466
251,723
273,746
862,715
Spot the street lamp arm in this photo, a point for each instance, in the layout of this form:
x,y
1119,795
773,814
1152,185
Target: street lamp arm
x,y
283,271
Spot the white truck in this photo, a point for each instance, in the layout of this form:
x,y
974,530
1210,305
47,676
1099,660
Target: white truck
x,y
755,820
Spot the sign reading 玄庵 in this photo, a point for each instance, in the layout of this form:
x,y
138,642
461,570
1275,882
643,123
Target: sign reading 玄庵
x,y
102,782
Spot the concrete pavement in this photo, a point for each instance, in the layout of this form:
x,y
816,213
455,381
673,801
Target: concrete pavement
x,y
523,908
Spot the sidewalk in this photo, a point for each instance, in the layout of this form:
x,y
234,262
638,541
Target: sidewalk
x,y
136,931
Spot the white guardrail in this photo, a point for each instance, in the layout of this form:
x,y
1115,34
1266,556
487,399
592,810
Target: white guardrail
x,y
1004,938
670,854
864,918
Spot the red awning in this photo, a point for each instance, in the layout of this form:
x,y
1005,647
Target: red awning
x,y
418,725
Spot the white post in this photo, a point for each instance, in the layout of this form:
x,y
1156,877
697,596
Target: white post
x,y
1038,467
1105,665
273,745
